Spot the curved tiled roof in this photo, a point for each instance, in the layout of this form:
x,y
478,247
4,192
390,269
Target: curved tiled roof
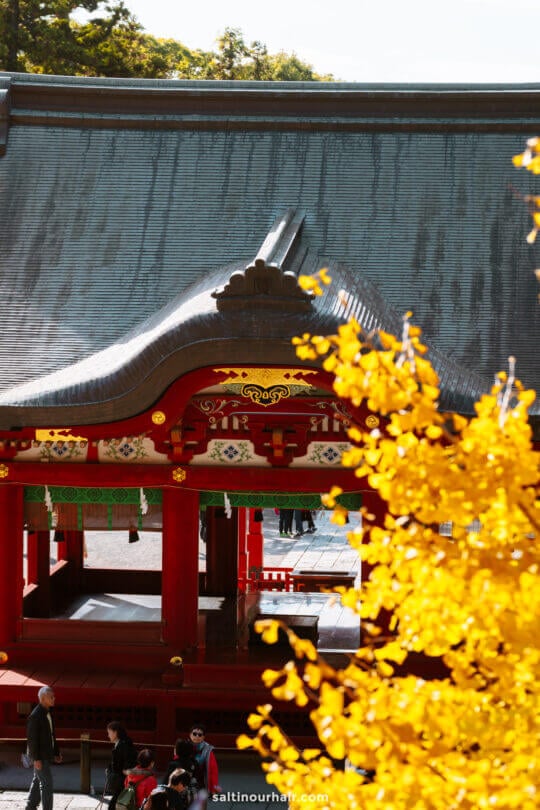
x,y
121,198
196,330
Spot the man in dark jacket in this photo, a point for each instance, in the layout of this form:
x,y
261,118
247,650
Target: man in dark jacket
x,y
206,769
43,749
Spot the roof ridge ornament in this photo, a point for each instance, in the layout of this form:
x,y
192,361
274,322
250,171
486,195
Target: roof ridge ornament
x,y
264,284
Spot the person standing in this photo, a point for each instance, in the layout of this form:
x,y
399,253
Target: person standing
x,y
206,769
123,756
298,525
285,522
307,515
43,749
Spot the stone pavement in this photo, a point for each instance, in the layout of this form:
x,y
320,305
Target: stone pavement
x,y
13,800
240,773
326,549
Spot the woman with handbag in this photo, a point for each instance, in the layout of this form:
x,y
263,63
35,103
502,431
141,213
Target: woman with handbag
x,y
123,757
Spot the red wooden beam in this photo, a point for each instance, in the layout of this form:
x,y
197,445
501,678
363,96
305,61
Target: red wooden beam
x,y
230,479
171,405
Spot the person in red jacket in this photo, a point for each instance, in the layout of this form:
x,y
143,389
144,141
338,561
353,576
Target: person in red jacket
x,y
206,769
142,776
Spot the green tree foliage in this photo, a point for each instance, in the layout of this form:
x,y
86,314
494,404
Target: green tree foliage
x,y
51,37
235,59
47,37
231,54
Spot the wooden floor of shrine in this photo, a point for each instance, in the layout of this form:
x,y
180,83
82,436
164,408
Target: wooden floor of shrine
x,y
224,622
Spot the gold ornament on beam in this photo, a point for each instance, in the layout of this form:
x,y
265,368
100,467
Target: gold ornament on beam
x,y
179,475
266,386
372,421
265,396
4,470
57,435
158,417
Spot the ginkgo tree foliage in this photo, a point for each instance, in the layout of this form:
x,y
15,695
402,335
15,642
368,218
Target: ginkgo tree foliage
x,y
529,159
389,739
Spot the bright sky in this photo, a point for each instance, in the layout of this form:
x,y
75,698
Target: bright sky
x,y
370,40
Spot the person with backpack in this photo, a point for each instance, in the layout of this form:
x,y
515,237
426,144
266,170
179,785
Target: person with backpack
x,y
140,780
123,756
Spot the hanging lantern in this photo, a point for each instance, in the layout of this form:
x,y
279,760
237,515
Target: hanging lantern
x,y
133,535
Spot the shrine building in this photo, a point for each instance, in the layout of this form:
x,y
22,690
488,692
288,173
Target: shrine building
x,y
151,237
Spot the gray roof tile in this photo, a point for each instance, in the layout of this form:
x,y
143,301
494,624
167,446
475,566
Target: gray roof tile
x,y
102,227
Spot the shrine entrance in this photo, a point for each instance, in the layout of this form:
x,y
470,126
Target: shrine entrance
x,y
110,570
290,578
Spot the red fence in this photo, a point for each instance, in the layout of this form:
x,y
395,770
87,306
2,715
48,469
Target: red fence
x,y
266,579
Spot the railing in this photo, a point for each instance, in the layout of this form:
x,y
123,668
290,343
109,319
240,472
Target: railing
x,y
267,579
85,754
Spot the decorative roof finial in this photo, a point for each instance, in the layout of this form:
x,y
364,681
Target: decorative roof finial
x,y
264,284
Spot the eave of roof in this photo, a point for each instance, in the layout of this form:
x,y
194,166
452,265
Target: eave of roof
x,y
241,315
170,104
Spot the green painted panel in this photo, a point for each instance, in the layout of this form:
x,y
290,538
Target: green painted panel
x,y
113,495
131,495
299,500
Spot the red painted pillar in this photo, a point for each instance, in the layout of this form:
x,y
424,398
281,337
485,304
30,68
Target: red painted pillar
x,y
165,728
32,575
71,549
242,549
39,572
221,552
11,561
180,568
255,543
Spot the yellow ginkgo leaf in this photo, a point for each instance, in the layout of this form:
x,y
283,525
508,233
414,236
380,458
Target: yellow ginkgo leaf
x,y
269,630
